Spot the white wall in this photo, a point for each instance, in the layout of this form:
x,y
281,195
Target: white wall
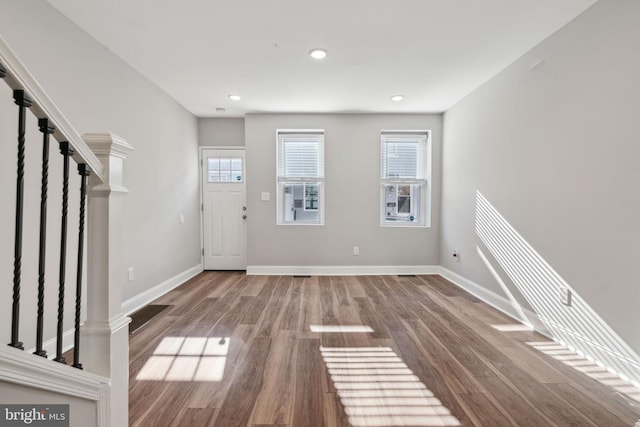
x,y
555,150
352,195
97,91
221,131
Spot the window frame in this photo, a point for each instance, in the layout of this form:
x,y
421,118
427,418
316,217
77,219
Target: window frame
x,y
282,180
421,182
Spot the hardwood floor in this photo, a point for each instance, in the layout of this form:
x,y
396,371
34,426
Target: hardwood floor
x,y
237,350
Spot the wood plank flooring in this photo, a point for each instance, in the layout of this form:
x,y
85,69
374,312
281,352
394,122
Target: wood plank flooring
x,y
236,350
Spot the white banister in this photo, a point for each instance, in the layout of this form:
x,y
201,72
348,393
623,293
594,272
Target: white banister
x,y
104,347
105,339
18,77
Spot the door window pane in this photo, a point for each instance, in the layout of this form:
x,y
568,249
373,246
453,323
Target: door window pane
x,y
236,170
225,169
214,164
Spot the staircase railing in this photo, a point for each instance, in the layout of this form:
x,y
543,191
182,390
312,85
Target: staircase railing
x,y
103,336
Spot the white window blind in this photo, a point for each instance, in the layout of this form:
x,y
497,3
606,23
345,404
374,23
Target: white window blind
x,y
300,178
300,156
404,174
403,157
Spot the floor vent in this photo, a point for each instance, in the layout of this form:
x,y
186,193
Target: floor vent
x,y
144,315
406,275
301,276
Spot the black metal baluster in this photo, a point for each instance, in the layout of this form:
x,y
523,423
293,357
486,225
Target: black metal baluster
x,y
67,151
84,172
23,102
47,129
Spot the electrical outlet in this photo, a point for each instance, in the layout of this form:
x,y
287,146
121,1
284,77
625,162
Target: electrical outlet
x,y
456,255
130,271
565,296
356,250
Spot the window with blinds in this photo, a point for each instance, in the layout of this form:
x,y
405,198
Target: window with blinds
x,y
403,178
300,171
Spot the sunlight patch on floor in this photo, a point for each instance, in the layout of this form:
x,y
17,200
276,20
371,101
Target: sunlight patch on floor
x,y
587,367
340,328
513,327
565,315
377,388
187,359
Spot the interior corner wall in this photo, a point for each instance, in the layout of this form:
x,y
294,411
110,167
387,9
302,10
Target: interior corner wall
x,y
221,132
352,195
97,91
552,144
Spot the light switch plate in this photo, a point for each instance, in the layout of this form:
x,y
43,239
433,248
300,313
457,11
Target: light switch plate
x,y
265,196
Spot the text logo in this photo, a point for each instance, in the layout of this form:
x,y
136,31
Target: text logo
x,y
34,415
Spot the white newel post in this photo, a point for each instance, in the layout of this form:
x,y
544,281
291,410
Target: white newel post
x,y
104,347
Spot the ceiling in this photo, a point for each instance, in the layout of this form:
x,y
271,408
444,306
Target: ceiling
x,y
434,52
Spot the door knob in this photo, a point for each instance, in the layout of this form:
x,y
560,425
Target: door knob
x,y
244,217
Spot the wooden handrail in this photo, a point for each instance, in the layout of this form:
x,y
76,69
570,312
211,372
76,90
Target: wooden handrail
x,y
19,78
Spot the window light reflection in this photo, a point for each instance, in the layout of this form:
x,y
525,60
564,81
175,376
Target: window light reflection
x,y
390,401
371,371
590,368
377,389
515,327
531,277
362,359
365,365
340,328
187,359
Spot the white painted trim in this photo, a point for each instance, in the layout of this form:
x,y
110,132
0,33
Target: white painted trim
x,y
26,369
68,336
96,327
144,298
498,302
342,270
104,403
219,147
107,143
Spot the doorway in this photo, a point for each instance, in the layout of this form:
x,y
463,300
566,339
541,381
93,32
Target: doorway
x,y
224,209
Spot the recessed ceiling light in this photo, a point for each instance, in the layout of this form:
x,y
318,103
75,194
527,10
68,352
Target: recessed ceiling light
x,y
220,110
234,97
318,53
397,98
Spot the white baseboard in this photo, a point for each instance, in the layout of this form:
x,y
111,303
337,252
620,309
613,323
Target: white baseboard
x,y
128,307
510,308
597,353
144,298
340,270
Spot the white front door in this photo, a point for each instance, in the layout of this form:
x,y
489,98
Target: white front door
x,y
224,209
